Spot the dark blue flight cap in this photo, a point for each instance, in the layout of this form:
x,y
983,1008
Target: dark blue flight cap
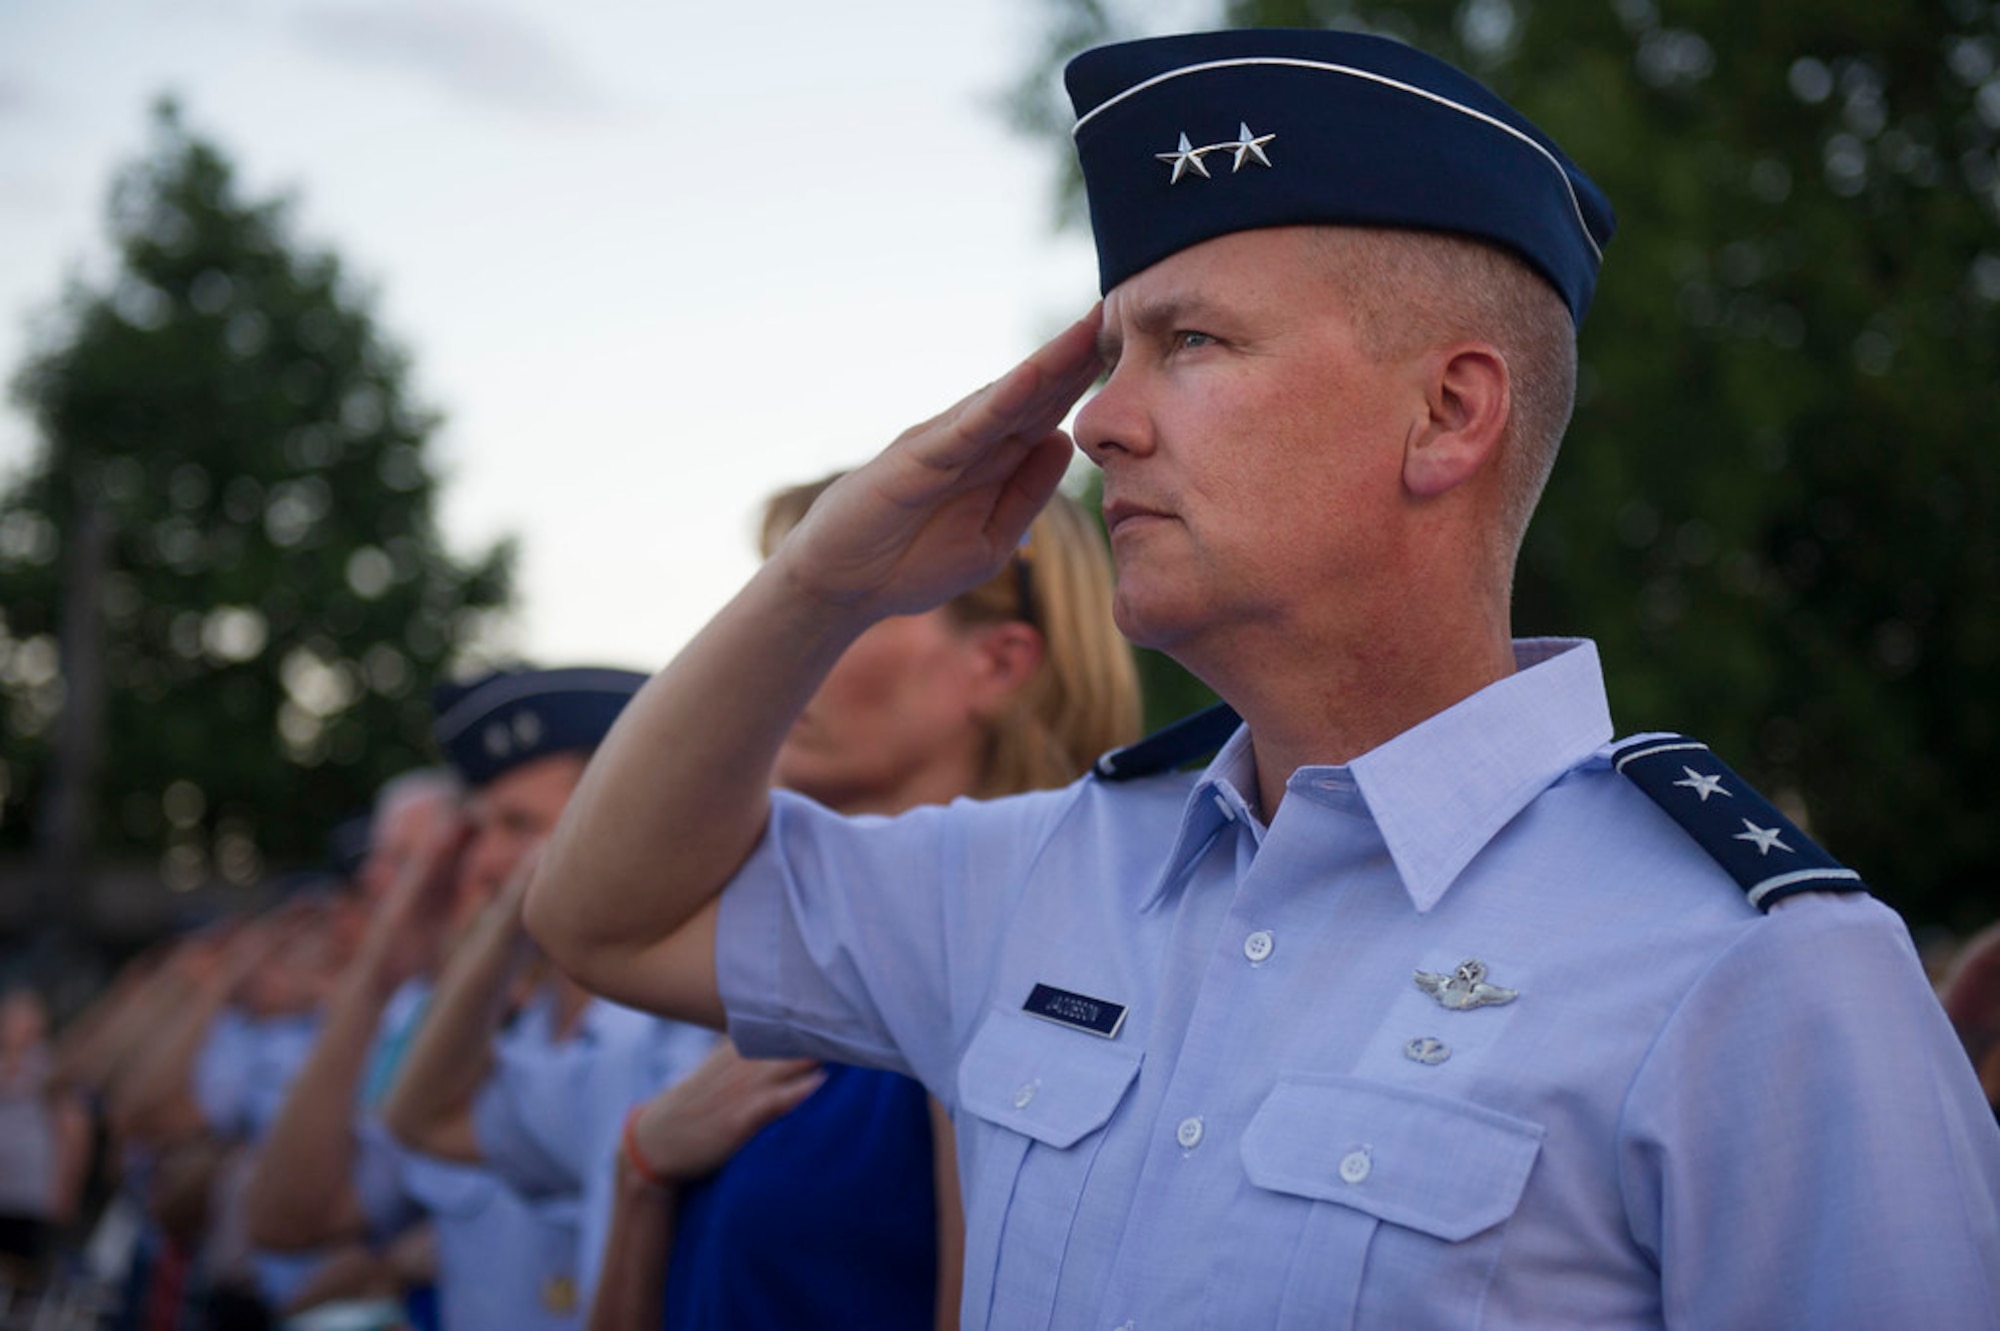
x,y
1186,138
492,725
347,845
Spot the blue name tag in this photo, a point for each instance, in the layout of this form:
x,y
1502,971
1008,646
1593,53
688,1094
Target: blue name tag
x,y
1075,1010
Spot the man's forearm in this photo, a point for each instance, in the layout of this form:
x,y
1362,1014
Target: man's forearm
x,y
153,1101
301,1193
676,797
631,1285
97,1056
429,1107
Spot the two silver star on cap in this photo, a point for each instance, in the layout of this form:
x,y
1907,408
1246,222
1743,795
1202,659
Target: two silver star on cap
x,y
1245,146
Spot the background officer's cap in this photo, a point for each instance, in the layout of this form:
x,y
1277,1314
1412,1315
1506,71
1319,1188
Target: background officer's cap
x,y
1186,138
493,725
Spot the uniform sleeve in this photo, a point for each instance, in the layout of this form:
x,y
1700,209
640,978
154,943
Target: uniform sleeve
x,y
530,1092
221,1075
865,940
378,1180
1805,1146
512,1150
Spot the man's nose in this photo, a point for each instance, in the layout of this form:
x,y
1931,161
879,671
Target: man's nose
x,y
1114,420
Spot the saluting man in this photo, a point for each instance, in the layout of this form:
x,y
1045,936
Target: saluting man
x,y
515,1086
1421,1004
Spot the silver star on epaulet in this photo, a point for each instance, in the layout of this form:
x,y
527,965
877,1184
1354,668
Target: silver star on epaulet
x,y
1763,838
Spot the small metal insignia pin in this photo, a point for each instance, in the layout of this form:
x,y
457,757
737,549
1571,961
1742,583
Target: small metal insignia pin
x,y
1428,1050
1186,159
1249,147
1465,988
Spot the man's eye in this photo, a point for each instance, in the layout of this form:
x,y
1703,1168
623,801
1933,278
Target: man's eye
x,y
1188,339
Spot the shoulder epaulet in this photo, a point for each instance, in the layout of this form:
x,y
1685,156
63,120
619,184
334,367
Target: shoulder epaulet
x,y
1761,848
1186,740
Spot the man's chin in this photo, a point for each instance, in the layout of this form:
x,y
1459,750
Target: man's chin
x,y
1147,621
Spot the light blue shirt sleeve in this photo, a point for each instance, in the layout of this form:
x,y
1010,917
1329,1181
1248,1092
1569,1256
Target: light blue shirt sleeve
x,y
1805,1145
222,1074
854,939
378,1179
533,1087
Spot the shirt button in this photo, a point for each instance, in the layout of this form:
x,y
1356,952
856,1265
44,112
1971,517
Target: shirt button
x,y
1222,806
1024,1096
1354,1166
1258,945
1189,1133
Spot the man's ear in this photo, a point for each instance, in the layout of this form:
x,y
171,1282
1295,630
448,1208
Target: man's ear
x,y
1468,398
1007,656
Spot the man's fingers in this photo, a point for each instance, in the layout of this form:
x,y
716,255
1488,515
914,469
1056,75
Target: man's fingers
x,y
1032,398
1029,488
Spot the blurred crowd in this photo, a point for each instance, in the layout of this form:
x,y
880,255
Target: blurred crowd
x,y
376,1106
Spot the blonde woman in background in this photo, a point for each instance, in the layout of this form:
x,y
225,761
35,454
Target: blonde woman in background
x,y
785,1193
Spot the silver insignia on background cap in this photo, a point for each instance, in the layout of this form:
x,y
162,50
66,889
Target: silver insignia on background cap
x,y
527,729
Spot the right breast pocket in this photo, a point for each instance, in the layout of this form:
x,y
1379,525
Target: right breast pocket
x,y
1038,1095
1397,1200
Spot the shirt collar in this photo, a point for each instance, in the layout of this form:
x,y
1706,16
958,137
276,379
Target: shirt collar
x,y
1444,788
1216,801
1441,790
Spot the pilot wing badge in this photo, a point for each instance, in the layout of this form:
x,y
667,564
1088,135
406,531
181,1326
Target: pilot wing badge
x,y
1465,988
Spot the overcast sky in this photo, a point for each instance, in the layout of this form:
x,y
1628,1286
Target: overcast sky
x,y
652,260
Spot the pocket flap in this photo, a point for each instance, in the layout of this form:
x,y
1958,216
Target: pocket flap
x,y
1443,1167
1043,1080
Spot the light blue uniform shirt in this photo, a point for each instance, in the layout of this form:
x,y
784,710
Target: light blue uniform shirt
x,y
1692,1115
245,1067
505,1262
377,1173
548,1122
241,1076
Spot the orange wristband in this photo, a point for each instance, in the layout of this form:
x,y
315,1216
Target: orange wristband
x,y
637,1162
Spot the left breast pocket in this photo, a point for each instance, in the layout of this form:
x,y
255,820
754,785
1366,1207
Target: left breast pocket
x,y
1037,1096
1388,1192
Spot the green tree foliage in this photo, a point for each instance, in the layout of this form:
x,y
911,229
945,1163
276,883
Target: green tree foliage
x,y
1778,510
273,599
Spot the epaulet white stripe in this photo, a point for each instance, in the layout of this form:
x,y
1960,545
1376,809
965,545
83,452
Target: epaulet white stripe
x,y
1770,885
1665,747
1576,207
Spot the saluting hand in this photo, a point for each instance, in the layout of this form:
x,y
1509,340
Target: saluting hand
x,y
410,924
942,508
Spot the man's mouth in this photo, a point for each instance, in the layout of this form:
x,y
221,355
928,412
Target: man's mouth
x,y
1121,512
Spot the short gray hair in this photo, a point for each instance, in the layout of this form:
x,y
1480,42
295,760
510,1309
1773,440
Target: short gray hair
x,y
406,788
1412,289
